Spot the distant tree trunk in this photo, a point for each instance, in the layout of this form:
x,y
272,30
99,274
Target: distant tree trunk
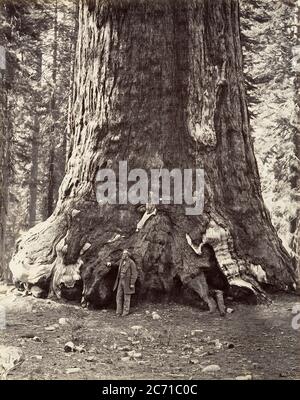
x,y
33,184
54,116
159,84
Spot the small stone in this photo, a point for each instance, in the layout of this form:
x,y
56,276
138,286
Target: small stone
x,y
63,321
73,370
218,344
170,351
198,349
229,310
211,368
69,347
125,359
10,357
51,328
137,328
196,332
283,375
194,361
37,339
244,378
147,312
134,354
155,316
80,348
37,357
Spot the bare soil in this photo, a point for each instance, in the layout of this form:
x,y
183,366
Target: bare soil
x,y
256,340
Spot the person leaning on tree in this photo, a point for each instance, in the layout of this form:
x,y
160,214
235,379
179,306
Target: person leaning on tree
x,y
125,283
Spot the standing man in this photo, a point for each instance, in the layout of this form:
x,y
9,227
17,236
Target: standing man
x,y
125,282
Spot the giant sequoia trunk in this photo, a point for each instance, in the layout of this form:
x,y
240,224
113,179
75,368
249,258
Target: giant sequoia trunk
x,y
159,84
3,148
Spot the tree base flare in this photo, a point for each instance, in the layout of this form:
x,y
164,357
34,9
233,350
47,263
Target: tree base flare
x,y
76,255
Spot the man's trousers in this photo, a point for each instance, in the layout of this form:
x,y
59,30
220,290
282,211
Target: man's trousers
x,y
122,299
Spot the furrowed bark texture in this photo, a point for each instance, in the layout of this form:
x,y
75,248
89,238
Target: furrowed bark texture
x,y
159,84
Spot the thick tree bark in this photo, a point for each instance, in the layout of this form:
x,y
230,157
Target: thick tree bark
x,y
5,135
295,165
159,84
3,169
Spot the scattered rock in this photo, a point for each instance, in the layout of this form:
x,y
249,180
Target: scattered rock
x,y
10,357
69,347
283,375
206,339
229,310
218,344
147,312
51,328
37,357
194,361
211,368
196,332
137,328
244,378
134,354
63,321
72,370
37,339
155,315
135,342
198,349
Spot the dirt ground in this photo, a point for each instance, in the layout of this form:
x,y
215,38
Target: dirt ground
x,y
253,340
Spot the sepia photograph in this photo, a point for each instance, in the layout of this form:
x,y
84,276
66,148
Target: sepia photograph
x,y
149,193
